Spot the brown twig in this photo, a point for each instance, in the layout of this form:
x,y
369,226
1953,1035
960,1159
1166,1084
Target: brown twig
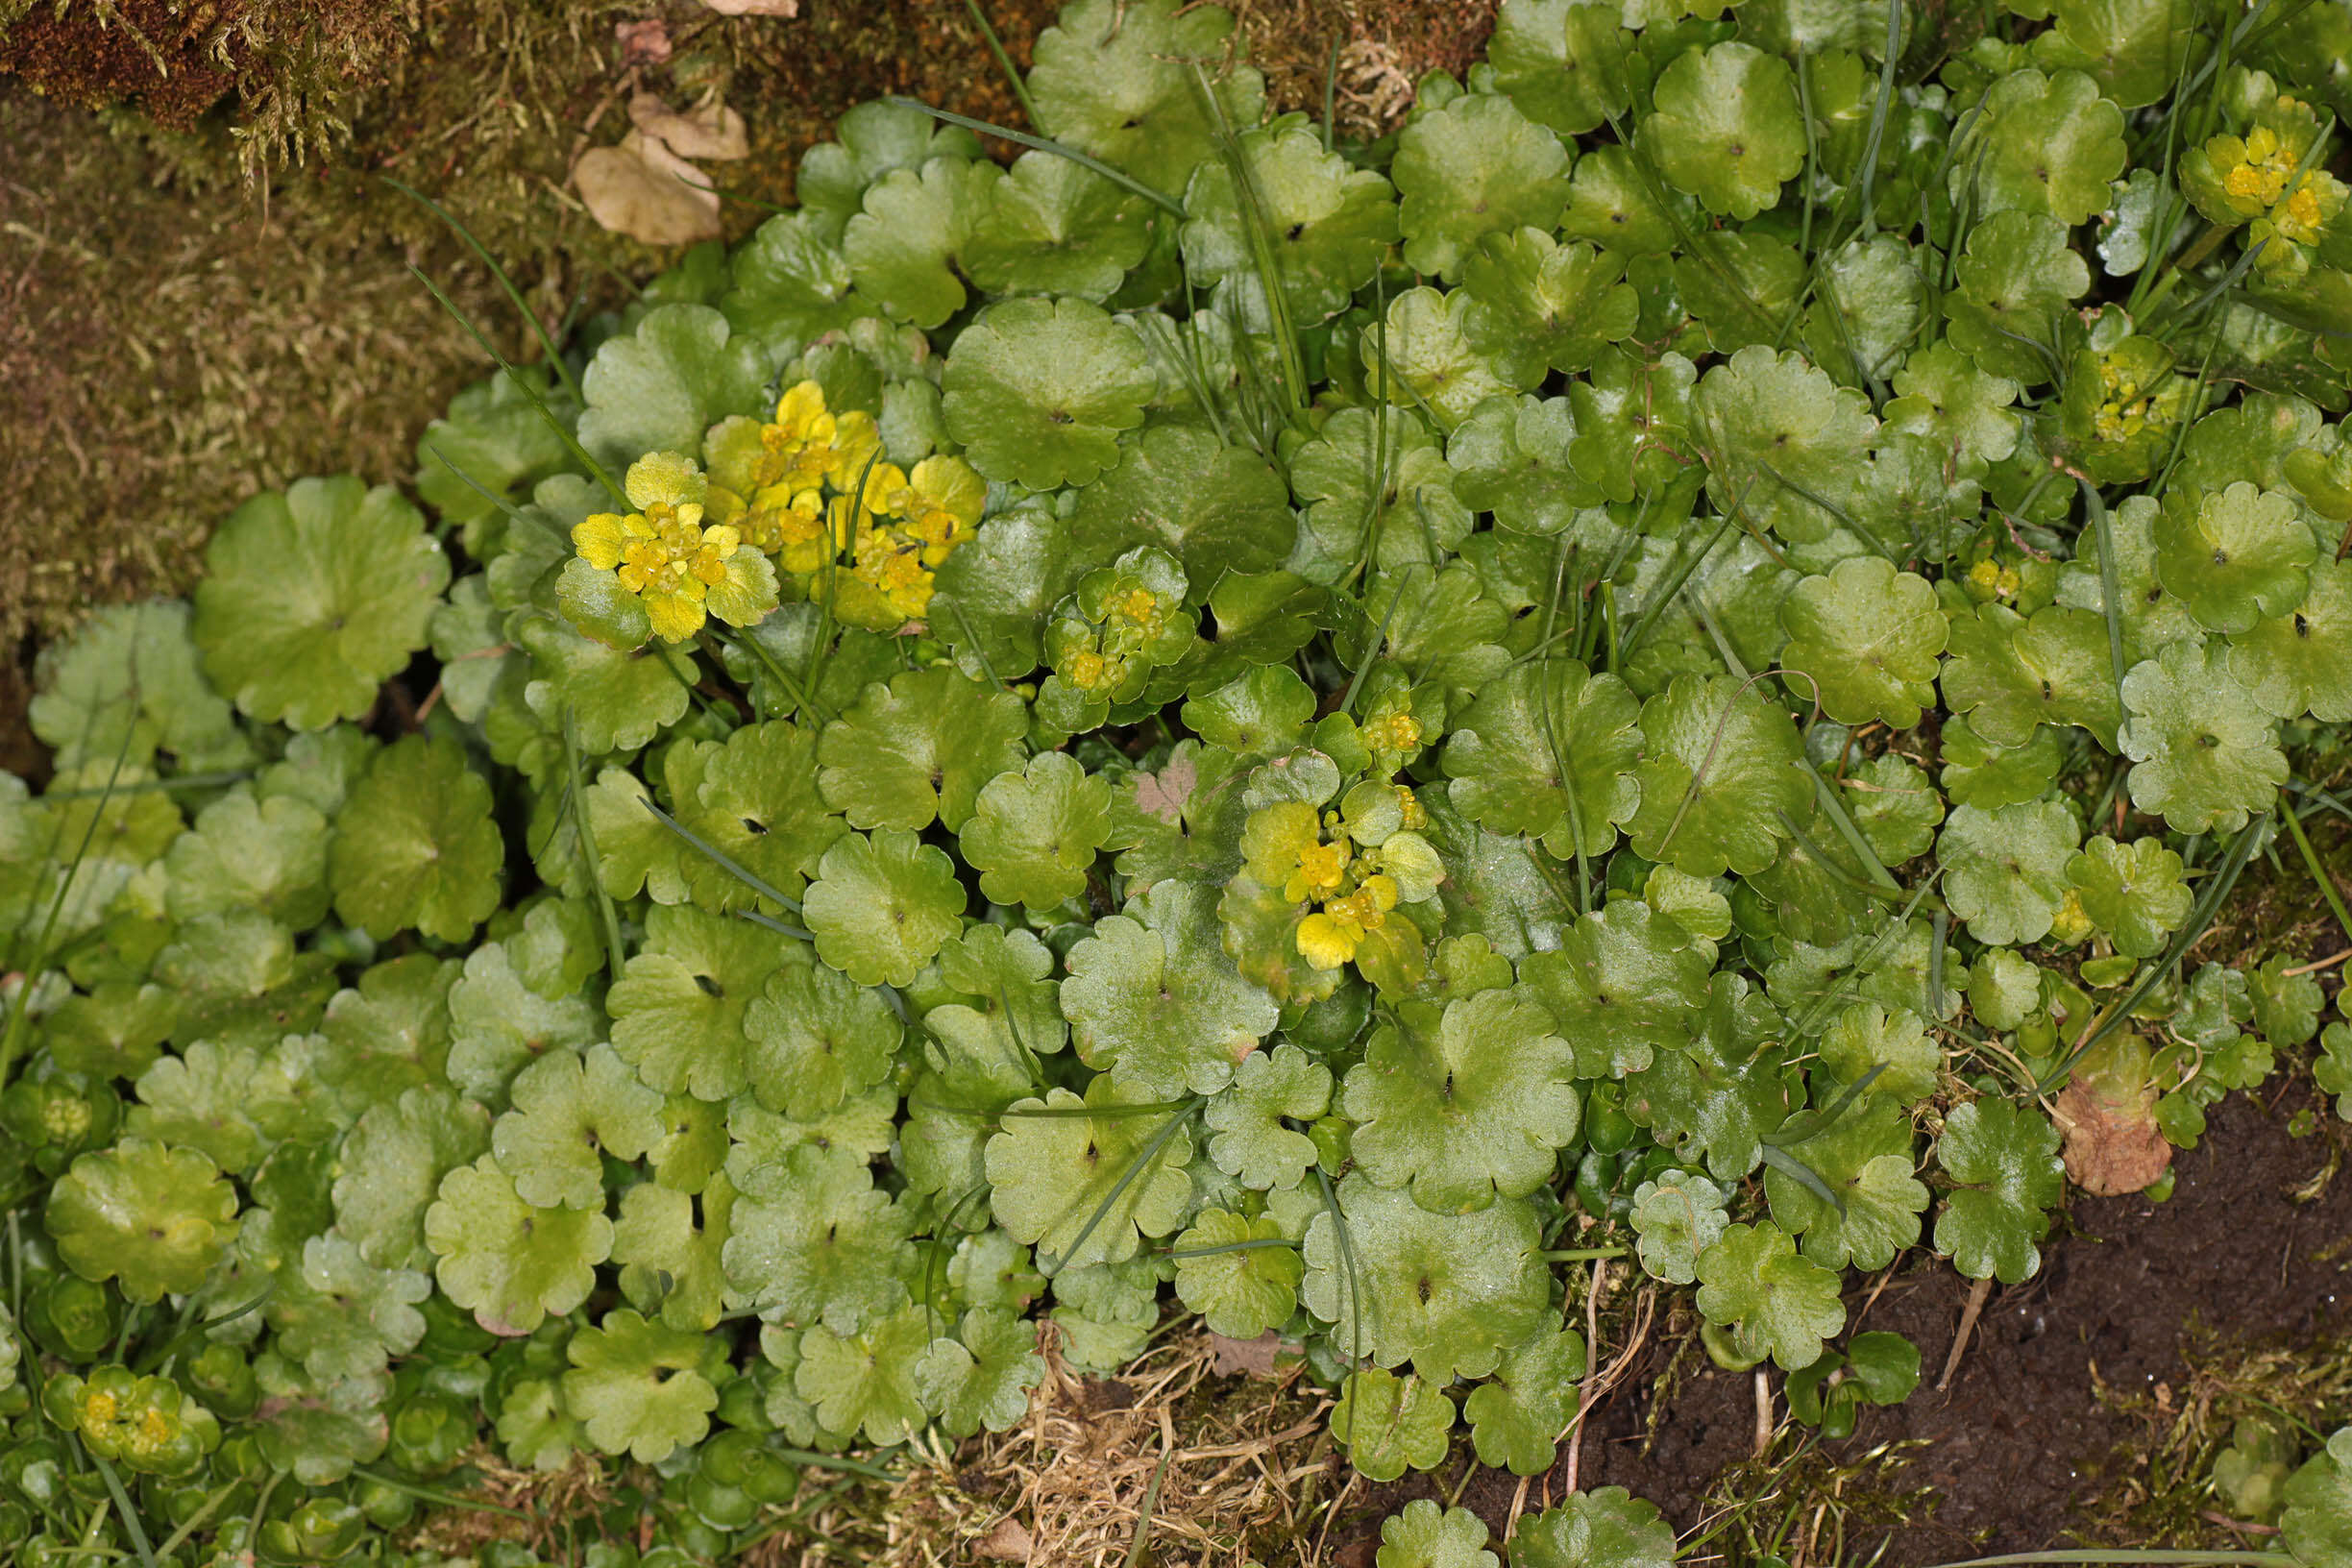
x,y
1977,1295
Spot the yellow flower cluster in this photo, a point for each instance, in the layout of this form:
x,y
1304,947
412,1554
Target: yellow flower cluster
x,y
1994,580
2125,411
1285,847
2257,170
817,487
667,552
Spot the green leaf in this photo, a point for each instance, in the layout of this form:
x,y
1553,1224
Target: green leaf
x,y
1676,1218
2133,891
342,1316
508,1263
1369,487
1243,1291
1776,1303
2300,662
1720,770
1944,398
1116,79
243,853
1564,62
1516,1421
815,1039
1424,1535
905,250
1868,636
1328,225
150,1217
313,597
393,1162
636,1387
678,1007
1053,226
920,747
317,1428
1538,306
127,683
416,846
1868,1037
660,387
2007,674
881,905
618,700
2243,555
1034,833
757,803
1727,128
1511,457
871,139
492,436
1447,1292
2203,755
1547,736
1247,1139
1606,1528
2317,1523
2042,144
1779,433
1475,167
1720,1091
1424,356
866,1381
981,1379
1081,1188
2005,871
1389,1424
790,281
570,1112
815,1241
671,1245
2015,281
1155,1003
2004,1159
1623,984
1466,1107
1217,508
1038,391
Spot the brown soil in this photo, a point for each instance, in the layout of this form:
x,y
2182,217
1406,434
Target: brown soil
x,y
2065,1380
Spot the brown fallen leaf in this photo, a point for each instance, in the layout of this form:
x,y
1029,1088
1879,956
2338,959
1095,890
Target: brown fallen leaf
x,y
709,130
643,43
1008,1541
1244,1357
643,189
2113,1145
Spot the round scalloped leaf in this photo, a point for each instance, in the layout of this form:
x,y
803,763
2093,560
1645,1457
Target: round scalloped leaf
x,y
2317,1523
1562,61
2133,891
870,140
617,703
2203,754
1467,1107
342,1316
1511,457
1447,1292
494,439
881,906
904,249
919,748
1865,1158
1783,442
2242,554
981,1379
1475,167
2008,674
127,683
1247,1138
1389,1424
2301,661
316,1428
2016,281
790,281
636,1388
1546,737
2003,1160
1868,636
756,804
1727,128
1722,1090
1424,1534
1055,227
1422,355
1537,306
813,1238
1944,398
661,388
149,1217
2005,871
1330,225
669,1246
509,1263
677,1010
1215,507
1775,1303
1623,983
2044,144
1676,1218
1154,1001
817,1039
1516,1420
1114,78
243,853
1038,390
313,597
1337,476
570,1112
415,847
1034,833
1606,1528
865,1380
1720,771
1081,1188
1243,1290
392,1165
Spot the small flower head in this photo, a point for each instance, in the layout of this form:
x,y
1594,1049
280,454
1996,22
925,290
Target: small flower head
x,y
666,551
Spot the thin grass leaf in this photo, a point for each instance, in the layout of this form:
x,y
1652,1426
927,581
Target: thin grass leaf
x,y
547,340
1046,144
1797,1171
577,802
1150,1156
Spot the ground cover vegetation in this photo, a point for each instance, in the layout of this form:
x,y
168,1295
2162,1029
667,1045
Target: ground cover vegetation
x,y
1665,664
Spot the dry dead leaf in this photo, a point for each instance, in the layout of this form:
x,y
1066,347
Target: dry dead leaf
x,y
754,8
643,189
2113,1145
643,43
1008,1542
1244,1357
709,130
